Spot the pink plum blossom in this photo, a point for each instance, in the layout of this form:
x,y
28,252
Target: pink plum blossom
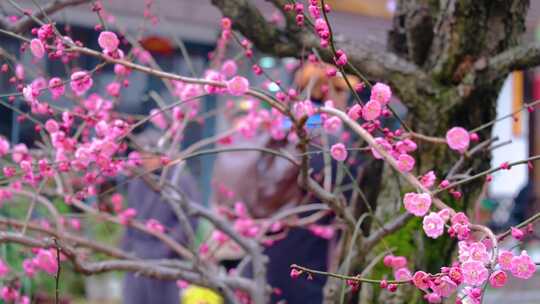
x,y
458,139
421,280
433,225
46,260
402,274
382,144
338,152
371,110
444,286
505,260
37,48
381,93
81,82
238,86
229,68
56,87
417,204
355,112
428,179
332,125
108,41
4,146
522,266
405,162
474,273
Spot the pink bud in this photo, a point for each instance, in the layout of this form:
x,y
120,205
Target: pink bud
x,y
295,273
517,233
392,287
498,279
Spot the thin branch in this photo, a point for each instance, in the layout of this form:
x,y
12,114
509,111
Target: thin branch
x,y
25,23
345,277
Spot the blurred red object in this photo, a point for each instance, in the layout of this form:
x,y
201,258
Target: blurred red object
x,y
158,45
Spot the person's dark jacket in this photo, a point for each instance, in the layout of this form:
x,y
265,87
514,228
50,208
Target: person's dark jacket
x,y
149,205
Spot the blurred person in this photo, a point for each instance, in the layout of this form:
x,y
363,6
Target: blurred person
x,y
267,184
149,205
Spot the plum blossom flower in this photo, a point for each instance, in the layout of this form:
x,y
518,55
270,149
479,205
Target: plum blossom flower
x,y
4,146
338,152
460,218
332,125
46,261
81,82
405,146
382,144
433,298
402,274
56,87
522,266
475,251
505,260
417,204
355,112
37,48
31,93
433,225
398,262
405,162
474,273
421,280
444,286
381,93
229,68
19,153
9,294
455,274
387,260
238,86
113,89
371,110
108,41
458,139
498,279
428,179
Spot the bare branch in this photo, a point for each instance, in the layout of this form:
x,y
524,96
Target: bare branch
x,y
25,23
516,58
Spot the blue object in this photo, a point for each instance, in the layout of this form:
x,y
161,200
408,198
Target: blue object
x,y
313,122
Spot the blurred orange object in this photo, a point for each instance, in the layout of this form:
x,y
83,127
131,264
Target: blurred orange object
x,y
156,44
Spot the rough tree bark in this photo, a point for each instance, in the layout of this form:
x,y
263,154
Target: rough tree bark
x,y
446,60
